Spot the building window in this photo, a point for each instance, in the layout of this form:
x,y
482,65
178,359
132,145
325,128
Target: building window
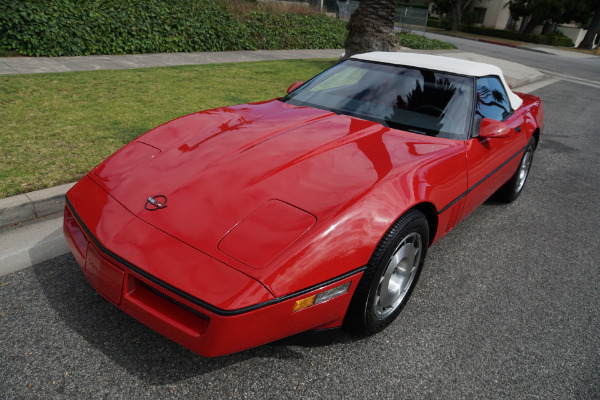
x,y
479,13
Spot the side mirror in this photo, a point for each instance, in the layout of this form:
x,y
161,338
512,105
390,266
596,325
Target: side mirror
x,y
294,86
490,128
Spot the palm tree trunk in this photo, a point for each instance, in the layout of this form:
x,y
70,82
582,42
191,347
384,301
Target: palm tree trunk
x,y
456,16
371,28
588,39
532,23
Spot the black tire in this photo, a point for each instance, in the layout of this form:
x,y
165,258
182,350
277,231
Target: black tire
x,y
513,188
373,306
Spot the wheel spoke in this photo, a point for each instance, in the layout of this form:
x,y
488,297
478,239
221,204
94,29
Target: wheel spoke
x,y
384,294
524,169
410,256
398,256
398,275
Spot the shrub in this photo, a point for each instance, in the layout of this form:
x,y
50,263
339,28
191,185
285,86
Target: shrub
x,y
552,40
433,23
293,31
444,23
83,27
420,42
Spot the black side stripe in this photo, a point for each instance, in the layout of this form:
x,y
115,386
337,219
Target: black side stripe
x,y
481,181
195,300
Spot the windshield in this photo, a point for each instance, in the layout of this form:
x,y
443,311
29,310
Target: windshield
x,y
417,100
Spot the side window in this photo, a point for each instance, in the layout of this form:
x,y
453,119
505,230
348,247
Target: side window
x,y
492,101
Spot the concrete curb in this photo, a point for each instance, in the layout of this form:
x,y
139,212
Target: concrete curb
x,y
497,43
516,46
531,79
26,207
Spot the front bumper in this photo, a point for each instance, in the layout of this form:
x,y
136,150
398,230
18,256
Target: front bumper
x,y
201,326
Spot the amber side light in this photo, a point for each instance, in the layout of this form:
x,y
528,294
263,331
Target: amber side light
x,y
321,297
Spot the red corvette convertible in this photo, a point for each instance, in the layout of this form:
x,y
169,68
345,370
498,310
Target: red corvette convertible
x,y
234,227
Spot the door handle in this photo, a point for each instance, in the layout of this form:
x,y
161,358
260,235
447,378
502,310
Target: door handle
x,y
518,128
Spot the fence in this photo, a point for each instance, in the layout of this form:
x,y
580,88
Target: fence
x,y
346,9
408,19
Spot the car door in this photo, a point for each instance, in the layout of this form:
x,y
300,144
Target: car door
x,y
492,161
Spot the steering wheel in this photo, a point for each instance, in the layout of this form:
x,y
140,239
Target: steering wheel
x,y
430,107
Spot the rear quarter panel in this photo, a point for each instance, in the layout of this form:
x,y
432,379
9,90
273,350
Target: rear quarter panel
x,y
534,112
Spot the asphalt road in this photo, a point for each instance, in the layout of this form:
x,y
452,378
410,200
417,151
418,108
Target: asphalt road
x,y
506,308
585,68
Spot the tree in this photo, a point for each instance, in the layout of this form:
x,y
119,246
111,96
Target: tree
x,y
456,8
538,11
557,11
588,40
371,28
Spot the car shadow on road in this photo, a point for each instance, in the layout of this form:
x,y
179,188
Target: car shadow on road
x,y
133,346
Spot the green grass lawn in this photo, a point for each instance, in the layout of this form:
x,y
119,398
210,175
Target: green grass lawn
x,y
56,127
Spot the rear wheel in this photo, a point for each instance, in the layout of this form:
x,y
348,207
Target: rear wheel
x,y
512,189
391,275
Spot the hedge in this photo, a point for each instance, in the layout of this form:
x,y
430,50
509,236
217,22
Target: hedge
x,y
420,42
84,27
434,23
552,40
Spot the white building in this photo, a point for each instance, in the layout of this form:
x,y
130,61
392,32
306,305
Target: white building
x,y
496,14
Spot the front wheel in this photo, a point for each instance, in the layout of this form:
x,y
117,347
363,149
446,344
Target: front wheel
x,y
391,274
512,189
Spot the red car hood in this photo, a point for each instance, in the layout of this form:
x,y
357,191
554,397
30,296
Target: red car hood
x,y
217,167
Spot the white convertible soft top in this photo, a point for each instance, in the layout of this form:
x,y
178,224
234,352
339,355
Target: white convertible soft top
x,y
440,63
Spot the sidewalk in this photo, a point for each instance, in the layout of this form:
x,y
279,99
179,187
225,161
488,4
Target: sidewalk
x,y
31,224
38,65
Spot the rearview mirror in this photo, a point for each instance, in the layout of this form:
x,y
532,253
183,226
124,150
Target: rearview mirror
x,y
294,86
490,128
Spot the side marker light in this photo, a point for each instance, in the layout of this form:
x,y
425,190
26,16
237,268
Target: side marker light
x,y
321,297
302,304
